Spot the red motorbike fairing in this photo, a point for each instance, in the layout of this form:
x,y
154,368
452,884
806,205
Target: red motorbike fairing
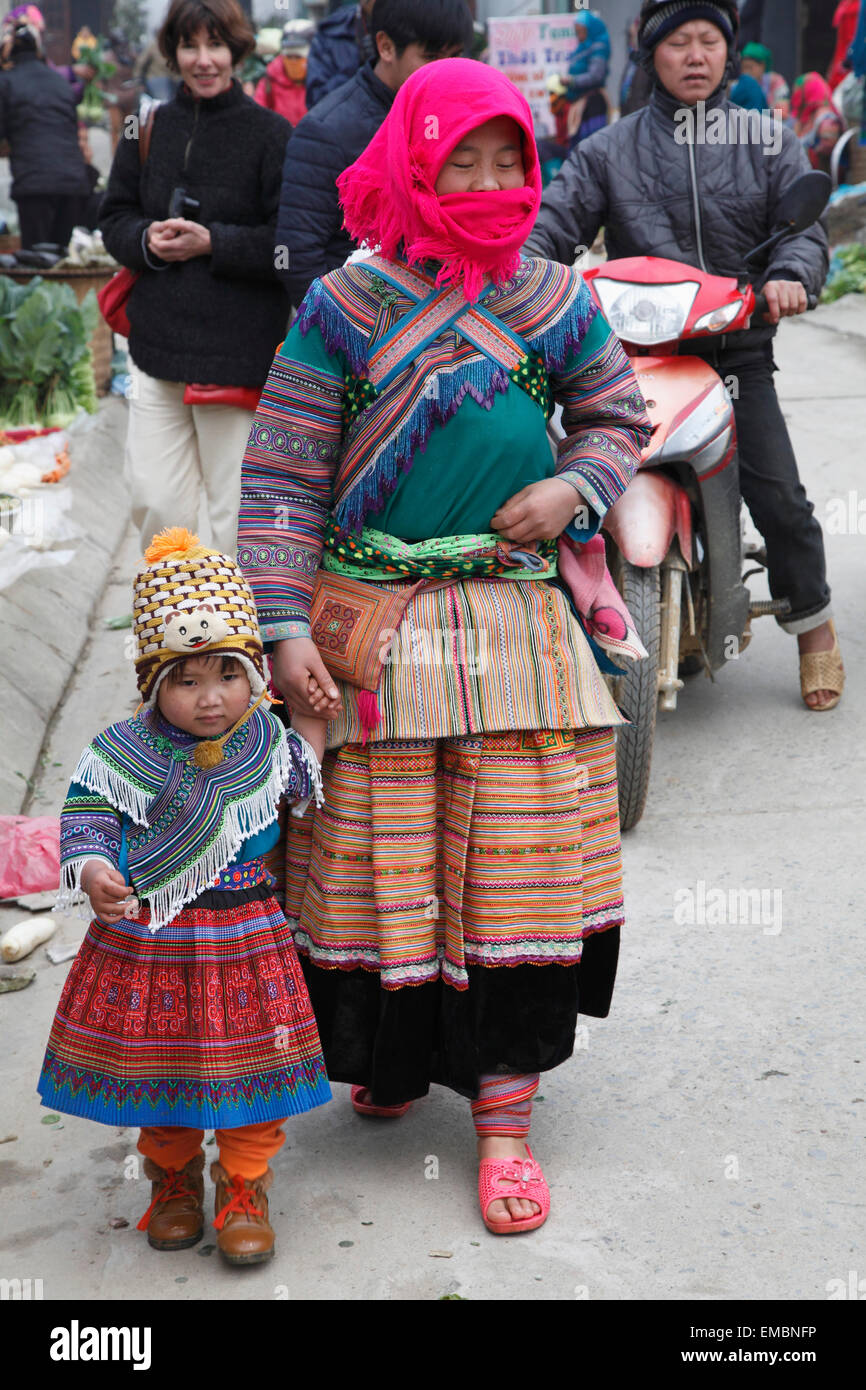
x,y
643,522
672,388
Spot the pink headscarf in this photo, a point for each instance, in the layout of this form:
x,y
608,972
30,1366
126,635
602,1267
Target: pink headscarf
x,y
810,93
388,195
26,14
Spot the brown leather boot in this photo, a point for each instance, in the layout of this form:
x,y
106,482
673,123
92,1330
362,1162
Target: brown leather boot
x,y
241,1209
175,1218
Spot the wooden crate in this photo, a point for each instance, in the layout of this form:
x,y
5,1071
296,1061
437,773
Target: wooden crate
x,y
83,279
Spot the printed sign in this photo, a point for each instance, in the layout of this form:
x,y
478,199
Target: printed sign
x,y
528,49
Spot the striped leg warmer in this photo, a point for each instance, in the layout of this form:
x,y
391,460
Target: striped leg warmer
x,y
504,1105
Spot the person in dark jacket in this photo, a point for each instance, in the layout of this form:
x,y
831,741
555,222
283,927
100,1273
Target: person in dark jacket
x,y
342,44
310,237
751,22
197,222
658,193
50,182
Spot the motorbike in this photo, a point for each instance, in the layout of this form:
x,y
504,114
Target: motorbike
x,y
675,538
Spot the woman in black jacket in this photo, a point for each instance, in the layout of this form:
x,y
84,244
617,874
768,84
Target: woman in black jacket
x,y
50,182
196,219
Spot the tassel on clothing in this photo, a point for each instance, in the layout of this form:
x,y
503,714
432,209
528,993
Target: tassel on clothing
x,y
368,712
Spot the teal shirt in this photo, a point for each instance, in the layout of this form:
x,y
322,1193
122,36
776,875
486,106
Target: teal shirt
x,y
442,496
509,448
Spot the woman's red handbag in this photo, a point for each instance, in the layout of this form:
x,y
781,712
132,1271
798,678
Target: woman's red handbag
x,y
112,300
114,294
247,397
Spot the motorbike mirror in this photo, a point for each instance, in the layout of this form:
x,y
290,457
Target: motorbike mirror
x,y
804,201
798,208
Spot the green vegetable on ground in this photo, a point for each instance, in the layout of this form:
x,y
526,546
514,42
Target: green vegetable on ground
x,y
46,368
847,273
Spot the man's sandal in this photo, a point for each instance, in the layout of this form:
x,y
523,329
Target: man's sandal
x,y
524,1179
380,1112
822,671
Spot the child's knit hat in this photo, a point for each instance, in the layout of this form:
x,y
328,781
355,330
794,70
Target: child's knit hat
x,y
188,601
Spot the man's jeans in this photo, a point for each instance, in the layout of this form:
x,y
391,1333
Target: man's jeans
x,y
771,487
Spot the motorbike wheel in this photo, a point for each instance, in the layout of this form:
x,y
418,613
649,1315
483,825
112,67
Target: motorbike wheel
x,y
636,692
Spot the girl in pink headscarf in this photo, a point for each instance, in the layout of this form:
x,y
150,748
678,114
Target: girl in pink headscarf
x,y
457,899
816,120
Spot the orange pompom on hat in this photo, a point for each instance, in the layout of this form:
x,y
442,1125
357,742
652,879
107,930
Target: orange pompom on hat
x,y
188,601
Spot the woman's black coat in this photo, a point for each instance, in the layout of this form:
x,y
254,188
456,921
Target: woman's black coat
x,y
37,117
217,318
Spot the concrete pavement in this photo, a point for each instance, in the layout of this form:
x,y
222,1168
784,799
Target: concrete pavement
x,y
46,616
702,1143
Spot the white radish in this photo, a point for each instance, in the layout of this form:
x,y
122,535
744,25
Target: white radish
x,y
25,936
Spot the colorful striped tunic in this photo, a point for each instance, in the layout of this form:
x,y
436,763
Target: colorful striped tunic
x,y
433,447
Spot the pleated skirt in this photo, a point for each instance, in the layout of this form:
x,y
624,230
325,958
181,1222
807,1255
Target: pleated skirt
x,y
205,1023
456,903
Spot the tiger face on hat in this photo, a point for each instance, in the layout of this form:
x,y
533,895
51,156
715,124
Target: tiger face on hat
x,y
189,600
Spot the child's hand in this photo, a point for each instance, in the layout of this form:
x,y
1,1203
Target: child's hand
x,y
301,675
106,890
313,730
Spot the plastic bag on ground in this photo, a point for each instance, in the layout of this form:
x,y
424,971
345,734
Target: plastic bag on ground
x,y
29,855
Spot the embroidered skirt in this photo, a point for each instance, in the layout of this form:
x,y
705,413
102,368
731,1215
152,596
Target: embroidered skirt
x,y
206,1023
481,655
455,902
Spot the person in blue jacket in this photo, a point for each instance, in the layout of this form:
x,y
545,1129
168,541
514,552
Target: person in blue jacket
x,y
587,73
342,43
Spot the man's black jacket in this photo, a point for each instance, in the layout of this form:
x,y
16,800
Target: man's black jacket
x,y
310,235
637,181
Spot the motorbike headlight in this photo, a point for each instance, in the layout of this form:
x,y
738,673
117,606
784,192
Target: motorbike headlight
x,y
646,313
717,319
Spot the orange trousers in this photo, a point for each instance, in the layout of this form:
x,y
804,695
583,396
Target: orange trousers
x,y
246,1150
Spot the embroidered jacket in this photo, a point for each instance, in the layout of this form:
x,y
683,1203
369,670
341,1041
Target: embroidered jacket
x,y
139,802
334,436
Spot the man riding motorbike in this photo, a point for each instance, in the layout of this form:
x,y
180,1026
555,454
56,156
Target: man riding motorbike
x,y
659,188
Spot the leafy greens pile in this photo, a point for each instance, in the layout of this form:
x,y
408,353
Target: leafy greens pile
x,y
847,273
46,369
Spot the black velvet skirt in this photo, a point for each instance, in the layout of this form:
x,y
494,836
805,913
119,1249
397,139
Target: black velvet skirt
x,y
519,1019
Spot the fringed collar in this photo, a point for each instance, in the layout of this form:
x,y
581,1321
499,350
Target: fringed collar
x,y
190,822
542,313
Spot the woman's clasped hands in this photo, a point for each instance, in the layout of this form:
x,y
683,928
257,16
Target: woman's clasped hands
x,y
178,239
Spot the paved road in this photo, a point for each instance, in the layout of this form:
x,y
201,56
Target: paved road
x,y
701,1143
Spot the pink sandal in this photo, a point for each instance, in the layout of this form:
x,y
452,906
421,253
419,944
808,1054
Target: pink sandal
x,y
383,1112
532,1187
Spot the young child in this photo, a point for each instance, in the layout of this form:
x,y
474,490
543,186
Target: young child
x,y
186,1007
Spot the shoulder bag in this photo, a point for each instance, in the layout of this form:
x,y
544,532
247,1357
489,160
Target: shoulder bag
x,y
113,296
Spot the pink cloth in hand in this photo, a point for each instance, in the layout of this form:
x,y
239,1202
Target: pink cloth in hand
x,y
583,568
